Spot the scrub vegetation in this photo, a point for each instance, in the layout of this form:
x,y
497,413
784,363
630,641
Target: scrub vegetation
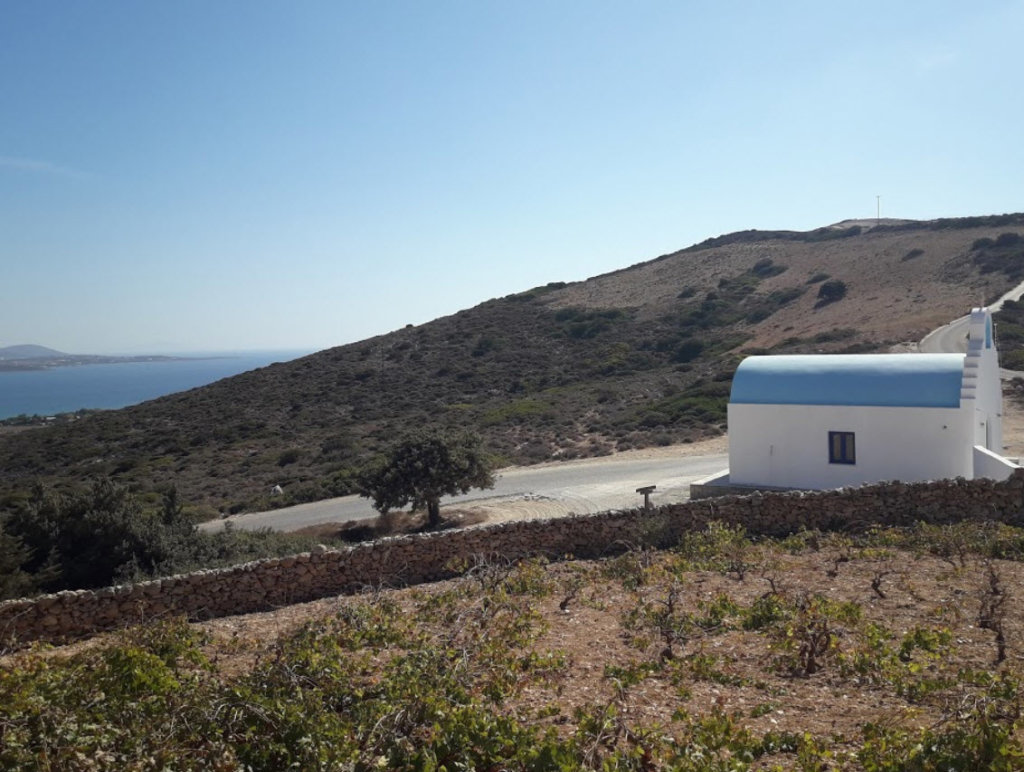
x,y
1005,253
894,649
105,535
633,358
1009,332
831,291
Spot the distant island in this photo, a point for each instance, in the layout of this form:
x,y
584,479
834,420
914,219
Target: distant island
x,y
31,357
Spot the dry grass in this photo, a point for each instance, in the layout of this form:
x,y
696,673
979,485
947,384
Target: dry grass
x,y
893,299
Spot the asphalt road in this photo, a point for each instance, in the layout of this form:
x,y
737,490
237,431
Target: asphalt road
x,y
952,338
589,485
949,339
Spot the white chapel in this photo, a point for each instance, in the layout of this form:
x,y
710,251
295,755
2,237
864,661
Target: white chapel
x,y
833,420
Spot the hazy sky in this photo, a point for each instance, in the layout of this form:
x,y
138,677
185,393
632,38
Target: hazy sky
x,y
211,175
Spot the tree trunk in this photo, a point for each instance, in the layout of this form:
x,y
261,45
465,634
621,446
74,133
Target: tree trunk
x,y
433,513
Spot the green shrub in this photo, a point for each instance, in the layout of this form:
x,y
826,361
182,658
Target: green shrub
x,y
831,292
289,456
718,547
1005,254
833,335
766,611
766,305
522,411
984,734
688,350
765,268
92,538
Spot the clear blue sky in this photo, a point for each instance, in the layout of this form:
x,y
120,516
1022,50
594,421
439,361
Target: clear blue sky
x,y
212,175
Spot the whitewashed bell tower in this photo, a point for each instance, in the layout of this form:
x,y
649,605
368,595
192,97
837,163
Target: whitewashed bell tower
x,y
981,392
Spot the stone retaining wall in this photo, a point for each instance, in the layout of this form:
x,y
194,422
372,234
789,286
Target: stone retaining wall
x,y
276,582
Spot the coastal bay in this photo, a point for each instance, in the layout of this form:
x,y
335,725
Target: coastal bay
x,y
115,384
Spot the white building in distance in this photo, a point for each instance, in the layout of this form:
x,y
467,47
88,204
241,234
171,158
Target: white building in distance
x,y
827,421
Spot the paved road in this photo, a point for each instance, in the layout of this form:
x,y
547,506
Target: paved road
x,y
952,338
590,485
949,339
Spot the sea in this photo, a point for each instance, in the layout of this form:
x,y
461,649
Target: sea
x,y
109,386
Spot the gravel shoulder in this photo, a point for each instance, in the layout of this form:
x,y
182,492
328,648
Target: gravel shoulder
x,y
590,497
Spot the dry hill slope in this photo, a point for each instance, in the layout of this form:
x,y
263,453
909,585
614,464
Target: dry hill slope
x,y
636,357
904,279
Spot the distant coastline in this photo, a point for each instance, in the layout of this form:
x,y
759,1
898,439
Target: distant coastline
x,y
76,360
111,382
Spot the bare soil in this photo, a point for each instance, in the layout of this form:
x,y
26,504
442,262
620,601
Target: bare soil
x,y
891,298
735,670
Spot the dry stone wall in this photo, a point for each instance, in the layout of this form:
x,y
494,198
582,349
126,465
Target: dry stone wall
x,y
272,583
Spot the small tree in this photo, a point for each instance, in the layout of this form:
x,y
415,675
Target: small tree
x,y
422,469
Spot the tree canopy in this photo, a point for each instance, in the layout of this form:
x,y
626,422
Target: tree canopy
x,y
95,537
424,467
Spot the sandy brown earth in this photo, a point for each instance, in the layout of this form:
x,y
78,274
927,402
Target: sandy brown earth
x,y
1013,428
744,673
898,300
730,668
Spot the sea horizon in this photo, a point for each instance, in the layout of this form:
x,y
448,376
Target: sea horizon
x,y
109,386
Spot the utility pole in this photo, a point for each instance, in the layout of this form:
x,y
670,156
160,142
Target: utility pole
x,y
878,210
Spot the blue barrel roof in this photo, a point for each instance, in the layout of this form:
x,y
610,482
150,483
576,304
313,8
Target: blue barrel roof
x,y
874,380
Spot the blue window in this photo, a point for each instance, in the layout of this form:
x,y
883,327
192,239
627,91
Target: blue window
x,y
841,448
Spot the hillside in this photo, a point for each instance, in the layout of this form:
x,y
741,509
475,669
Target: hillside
x,y
28,351
636,357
